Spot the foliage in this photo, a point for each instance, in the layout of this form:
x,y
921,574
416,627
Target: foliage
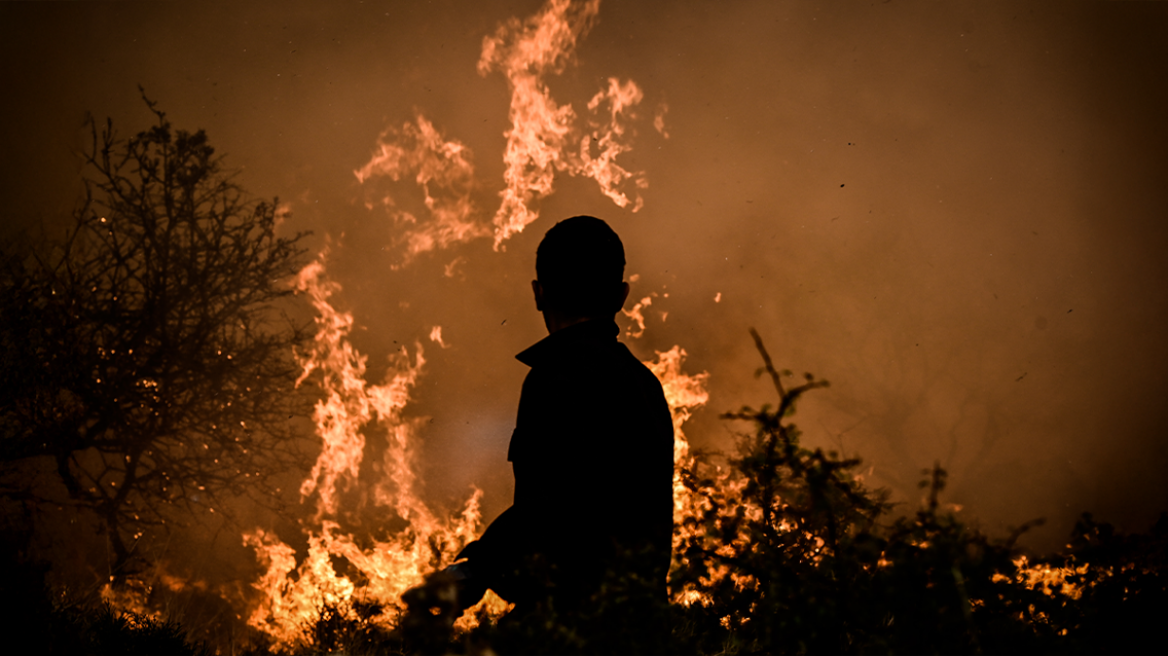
x,y
145,368
38,622
791,553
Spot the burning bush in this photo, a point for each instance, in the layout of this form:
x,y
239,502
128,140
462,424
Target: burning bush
x,y
779,549
782,549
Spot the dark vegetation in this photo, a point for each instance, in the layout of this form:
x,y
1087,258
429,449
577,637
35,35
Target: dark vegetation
x,y
790,554
145,375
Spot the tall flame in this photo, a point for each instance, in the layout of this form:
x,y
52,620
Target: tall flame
x,y
293,594
543,137
684,393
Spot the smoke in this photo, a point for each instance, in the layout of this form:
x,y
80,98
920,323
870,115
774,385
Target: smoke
x,y
951,211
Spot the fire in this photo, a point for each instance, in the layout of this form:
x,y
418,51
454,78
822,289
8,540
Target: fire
x,y
684,393
543,138
444,172
637,316
292,594
1051,580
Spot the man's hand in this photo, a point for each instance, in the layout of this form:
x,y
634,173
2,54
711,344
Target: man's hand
x,y
446,593
432,608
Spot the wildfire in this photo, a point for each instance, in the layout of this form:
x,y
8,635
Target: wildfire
x,y
293,594
684,393
544,138
543,132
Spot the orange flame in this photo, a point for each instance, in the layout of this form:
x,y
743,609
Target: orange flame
x,y
293,594
544,138
539,142
684,393
442,170
637,316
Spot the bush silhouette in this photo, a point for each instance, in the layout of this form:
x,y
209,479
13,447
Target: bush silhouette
x,y
789,552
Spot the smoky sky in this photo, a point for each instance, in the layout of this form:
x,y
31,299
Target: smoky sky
x,y
955,212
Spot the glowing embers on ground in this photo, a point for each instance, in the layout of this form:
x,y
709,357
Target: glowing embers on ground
x,y
544,138
1050,579
293,594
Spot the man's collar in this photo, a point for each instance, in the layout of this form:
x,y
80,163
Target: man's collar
x,y
566,340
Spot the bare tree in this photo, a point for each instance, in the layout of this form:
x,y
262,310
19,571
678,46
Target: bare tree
x,y
144,356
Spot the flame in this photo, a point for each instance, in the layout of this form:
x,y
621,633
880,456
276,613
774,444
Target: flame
x,y
684,393
544,138
444,172
659,120
542,133
637,316
292,594
436,336
603,167
1052,580
132,597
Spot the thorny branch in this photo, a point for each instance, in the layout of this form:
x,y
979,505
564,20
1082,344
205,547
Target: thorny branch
x,y
145,352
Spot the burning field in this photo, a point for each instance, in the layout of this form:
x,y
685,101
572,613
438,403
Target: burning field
x,y
257,424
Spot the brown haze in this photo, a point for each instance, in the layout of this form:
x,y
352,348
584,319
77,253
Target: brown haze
x,y
956,212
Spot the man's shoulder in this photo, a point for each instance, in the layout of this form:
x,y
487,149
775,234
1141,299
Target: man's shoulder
x,y
612,359
612,375
642,373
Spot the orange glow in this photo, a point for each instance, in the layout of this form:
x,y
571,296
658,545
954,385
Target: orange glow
x,y
684,393
637,316
1051,580
442,170
292,593
543,137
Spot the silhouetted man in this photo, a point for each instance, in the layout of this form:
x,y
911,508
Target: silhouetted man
x,y
592,450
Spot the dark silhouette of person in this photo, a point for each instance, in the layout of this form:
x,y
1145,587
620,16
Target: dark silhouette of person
x,y
592,451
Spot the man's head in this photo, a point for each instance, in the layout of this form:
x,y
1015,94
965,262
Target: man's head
x,y
579,267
